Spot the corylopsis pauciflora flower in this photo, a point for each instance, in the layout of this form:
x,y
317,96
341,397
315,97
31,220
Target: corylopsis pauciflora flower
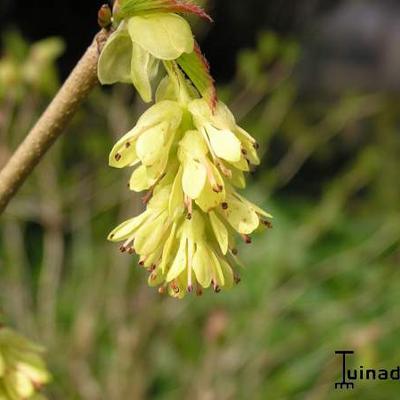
x,y
22,370
186,150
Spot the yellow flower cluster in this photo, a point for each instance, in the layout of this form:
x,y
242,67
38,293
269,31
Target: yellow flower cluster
x,y
191,160
22,370
189,154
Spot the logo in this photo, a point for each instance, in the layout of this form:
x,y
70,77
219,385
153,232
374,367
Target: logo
x,y
351,375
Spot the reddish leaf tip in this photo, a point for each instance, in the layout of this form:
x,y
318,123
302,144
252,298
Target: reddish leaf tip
x,y
191,8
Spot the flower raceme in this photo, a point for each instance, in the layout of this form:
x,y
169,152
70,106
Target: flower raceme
x,y
22,370
185,238
187,151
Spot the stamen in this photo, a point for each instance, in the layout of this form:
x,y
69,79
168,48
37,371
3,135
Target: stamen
x,y
118,157
147,197
268,224
127,245
150,193
175,287
224,206
237,278
225,171
256,145
247,239
127,145
235,252
161,290
153,276
189,207
211,178
217,289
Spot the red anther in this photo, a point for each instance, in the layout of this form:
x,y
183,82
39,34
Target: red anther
x,y
237,279
122,249
118,157
247,239
127,145
131,250
216,189
161,290
190,288
217,289
224,206
256,145
235,252
175,287
268,224
141,263
199,291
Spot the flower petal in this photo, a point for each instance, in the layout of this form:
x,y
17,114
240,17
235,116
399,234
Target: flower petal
x,y
218,275
220,232
144,69
210,199
241,217
140,180
257,209
115,59
166,255
201,266
150,145
124,153
194,178
165,36
160,112
180,262
225,144
227,273
176,199
127,228
150,235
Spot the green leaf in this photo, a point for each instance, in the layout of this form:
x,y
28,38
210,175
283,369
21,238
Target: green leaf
x,y
134,7
197,69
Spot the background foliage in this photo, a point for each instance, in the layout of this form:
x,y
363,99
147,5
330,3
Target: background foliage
x,y
326,277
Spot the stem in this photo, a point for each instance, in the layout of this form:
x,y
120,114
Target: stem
x,y
53,122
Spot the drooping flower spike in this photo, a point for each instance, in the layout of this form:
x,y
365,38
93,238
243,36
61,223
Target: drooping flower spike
x,y
190,155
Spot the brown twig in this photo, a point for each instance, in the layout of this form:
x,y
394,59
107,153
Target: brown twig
x,y
53,121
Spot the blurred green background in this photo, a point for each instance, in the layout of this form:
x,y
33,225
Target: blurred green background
x,y
321,96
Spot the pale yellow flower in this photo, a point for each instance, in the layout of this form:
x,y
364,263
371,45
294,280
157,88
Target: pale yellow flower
x,y
134,51
22,370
